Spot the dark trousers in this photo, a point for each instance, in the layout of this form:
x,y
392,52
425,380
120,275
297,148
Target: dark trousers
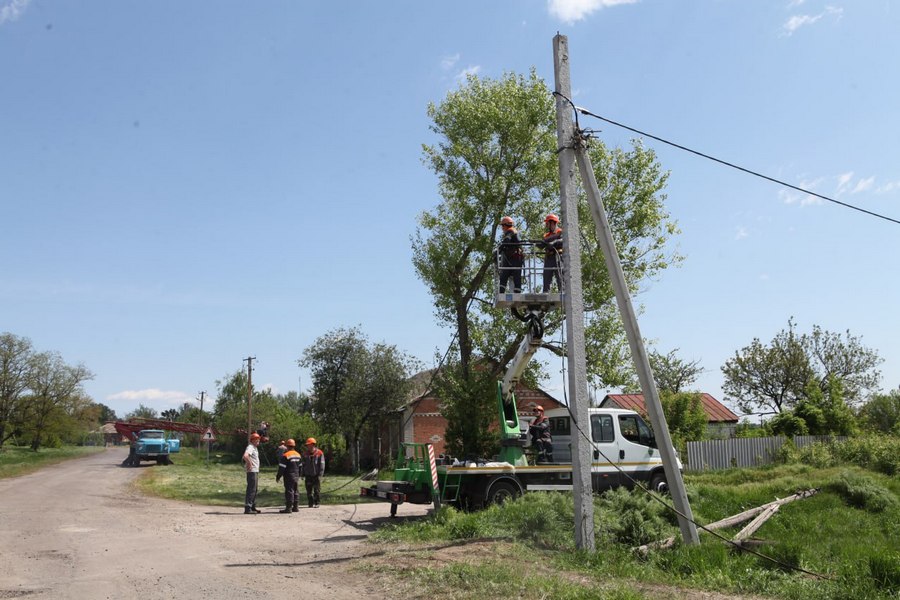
x,y
552,270
515,273
252,487
291,491
545,450
312,490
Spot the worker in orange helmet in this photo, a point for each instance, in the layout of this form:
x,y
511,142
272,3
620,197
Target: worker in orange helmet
x,y
540,436
511,256
313,471
553,247
289,468
251,465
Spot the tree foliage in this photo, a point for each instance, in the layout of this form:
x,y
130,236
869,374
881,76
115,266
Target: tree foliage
x,y
356,383
496,156
16,355
882,413
672,374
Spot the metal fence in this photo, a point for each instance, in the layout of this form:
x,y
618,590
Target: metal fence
x,y
743,452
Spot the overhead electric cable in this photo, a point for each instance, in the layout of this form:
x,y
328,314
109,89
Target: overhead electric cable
x,y
584,111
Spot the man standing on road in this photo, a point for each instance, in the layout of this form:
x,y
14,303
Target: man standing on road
x,y
251,463
313,471
289,468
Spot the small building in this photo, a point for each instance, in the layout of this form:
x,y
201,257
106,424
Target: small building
x,y
721,422
424,423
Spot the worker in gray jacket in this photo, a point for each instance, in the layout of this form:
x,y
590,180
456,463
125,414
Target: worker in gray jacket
x,y
289,468
313,471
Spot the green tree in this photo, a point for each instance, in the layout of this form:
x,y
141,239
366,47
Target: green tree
x,y
142,412
105,414
776,375
842,358
356,384
496,156
771,375
685,417
16,355
672,374
882,413
170,414
56,390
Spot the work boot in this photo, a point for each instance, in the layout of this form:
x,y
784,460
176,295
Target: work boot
x,y
286,510
248,511
295,509
256,510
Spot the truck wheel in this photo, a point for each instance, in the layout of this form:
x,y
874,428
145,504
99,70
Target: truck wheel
x,y
502,491
659,484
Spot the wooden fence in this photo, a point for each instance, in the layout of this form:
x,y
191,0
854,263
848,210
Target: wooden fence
x,y
743,452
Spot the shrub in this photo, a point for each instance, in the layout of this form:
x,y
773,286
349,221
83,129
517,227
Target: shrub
x,y
632,517
862,492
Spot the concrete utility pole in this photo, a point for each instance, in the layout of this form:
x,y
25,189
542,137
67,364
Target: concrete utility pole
x,y
569,139
200,419
574,303
249,360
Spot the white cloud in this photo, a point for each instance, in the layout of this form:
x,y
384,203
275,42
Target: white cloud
x,y
570,11
269,386
10,10
789,196
447,62
863,185
843,182
795,22
888,187
795,3
462,75
764,277
741,233
153,398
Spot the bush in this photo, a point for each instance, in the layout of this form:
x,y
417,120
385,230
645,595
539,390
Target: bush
x,y
632,517
860,491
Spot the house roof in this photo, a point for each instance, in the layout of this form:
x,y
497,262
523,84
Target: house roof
x,y
716,412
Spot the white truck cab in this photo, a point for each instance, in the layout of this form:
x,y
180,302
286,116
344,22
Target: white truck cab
x,y
621,441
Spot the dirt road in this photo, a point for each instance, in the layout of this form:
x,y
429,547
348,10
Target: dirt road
x,y
77,530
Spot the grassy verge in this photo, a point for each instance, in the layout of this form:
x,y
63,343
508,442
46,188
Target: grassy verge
x,y
222,482
848,532
20,460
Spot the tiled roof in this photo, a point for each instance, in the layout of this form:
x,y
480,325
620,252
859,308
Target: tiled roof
x,y
716,412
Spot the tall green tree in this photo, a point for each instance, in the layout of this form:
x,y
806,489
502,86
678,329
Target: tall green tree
x,y
775,375
685,417
495,155
672,374
356,384
56,390
142,412
16,355
771,376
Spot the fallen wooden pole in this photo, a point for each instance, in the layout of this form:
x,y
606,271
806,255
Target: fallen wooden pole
x,y
732,520
756,523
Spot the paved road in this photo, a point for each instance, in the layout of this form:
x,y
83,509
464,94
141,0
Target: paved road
x,y
79,530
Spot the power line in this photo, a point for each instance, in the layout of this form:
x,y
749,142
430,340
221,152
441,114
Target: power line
x,y
584,111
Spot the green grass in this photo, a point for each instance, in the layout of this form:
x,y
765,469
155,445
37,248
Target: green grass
x,y
20,460
834,533
222,482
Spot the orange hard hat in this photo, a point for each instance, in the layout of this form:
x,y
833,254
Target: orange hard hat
x,y
310,441
551,217
290,443
507,221
254,436
539,408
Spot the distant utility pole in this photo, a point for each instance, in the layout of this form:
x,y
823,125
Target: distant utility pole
x,y
200,419
249,360
573,303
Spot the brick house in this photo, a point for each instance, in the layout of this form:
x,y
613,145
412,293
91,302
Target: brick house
x,y
720,421
423,422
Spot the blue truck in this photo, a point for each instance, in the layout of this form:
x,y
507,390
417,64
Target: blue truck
x,y
151,444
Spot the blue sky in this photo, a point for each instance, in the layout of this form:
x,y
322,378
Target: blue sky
x,y
185,184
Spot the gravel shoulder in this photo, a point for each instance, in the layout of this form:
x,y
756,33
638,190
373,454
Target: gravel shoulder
x,y
79,530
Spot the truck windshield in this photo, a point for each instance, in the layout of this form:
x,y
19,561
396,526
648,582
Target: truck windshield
x,y
152,435
635,430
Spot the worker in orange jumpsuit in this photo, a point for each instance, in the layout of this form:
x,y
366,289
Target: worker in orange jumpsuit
x,y
553,247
